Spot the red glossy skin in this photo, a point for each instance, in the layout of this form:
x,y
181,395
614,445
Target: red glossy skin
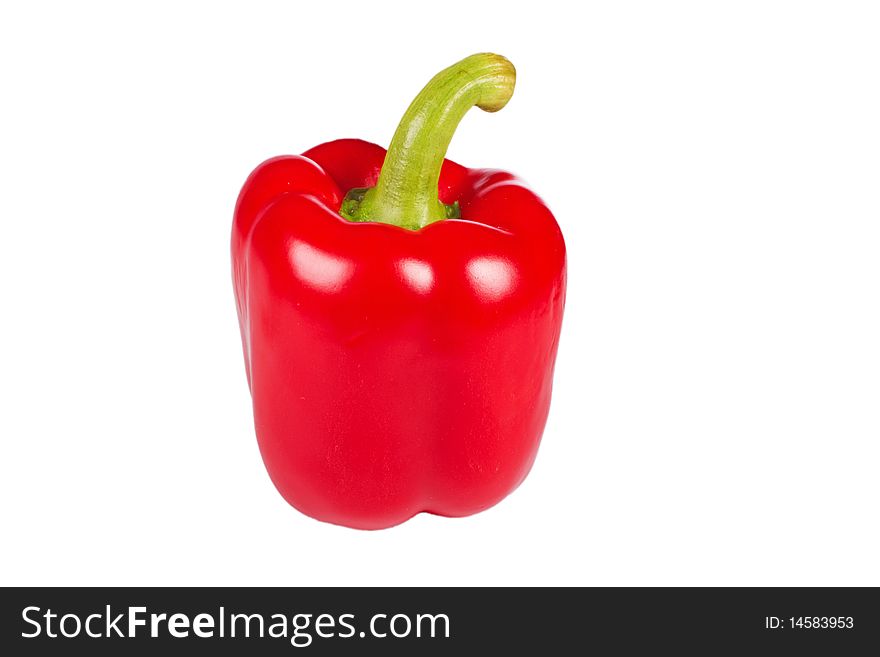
x,y
395,371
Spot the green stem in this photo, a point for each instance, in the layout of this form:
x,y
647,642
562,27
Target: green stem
x,y
406,192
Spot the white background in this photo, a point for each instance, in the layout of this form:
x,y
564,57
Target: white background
x,y
715,170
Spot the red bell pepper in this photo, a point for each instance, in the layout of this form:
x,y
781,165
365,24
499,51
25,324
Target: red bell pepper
x,y
400,316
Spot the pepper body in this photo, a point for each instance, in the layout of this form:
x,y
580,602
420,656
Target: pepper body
x,y
395,371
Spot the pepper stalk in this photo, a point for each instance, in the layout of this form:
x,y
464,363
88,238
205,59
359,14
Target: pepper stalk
x,y
406,193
